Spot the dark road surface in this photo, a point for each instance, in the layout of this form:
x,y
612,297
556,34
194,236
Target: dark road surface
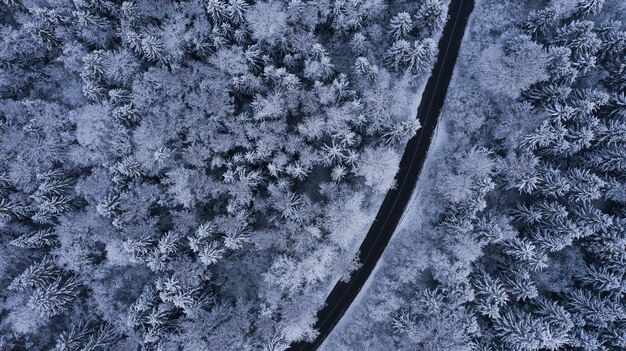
x,y
396,199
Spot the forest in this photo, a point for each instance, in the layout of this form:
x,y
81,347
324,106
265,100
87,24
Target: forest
x,y
198,174
516,239
195,175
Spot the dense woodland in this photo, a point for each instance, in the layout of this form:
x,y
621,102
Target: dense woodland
x,y
520,239
194,175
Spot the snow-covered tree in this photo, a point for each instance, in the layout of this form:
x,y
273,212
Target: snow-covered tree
x,y
401,24
431,15
54,298
378,167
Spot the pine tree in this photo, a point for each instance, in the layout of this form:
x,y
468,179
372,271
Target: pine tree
x,y
43,218
608,245
538,21
288,204
602,278
548,94
86,19
398,54
431,15
172,290
363,68
592,218
585,186
14,4
490,294
127,167
610,30
139,248
526,254
554,340
613,132
553,183
616,190
594,308
567,227
606,159
588,340
37,275
521,331
5,184
341,85
119,97
54,205
586,7
235,238
584,61
431,302
126,114
541,137
527,214
168,243
522,172
554,314
206,229
53,186
318,51
338,173
588,101
297,170
560,66
43,27
401,131
578,36
332,153
93,90
578,138
109,207
74,338
401,24
553,211
237,10
87,337
359,43
458,223
217,10
403,323
103,338
421,55
157,261
9,209
55,297
552,241
36,240
488,230
152,48
139,310
275,343
211,253
521,286
93,67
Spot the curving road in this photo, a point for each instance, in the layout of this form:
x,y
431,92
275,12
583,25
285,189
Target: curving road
x,y
396,199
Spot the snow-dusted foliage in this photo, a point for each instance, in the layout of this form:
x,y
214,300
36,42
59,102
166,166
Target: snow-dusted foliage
x,y
194,175
519,238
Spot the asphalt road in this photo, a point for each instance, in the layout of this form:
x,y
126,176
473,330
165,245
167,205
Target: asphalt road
x,y
397,199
